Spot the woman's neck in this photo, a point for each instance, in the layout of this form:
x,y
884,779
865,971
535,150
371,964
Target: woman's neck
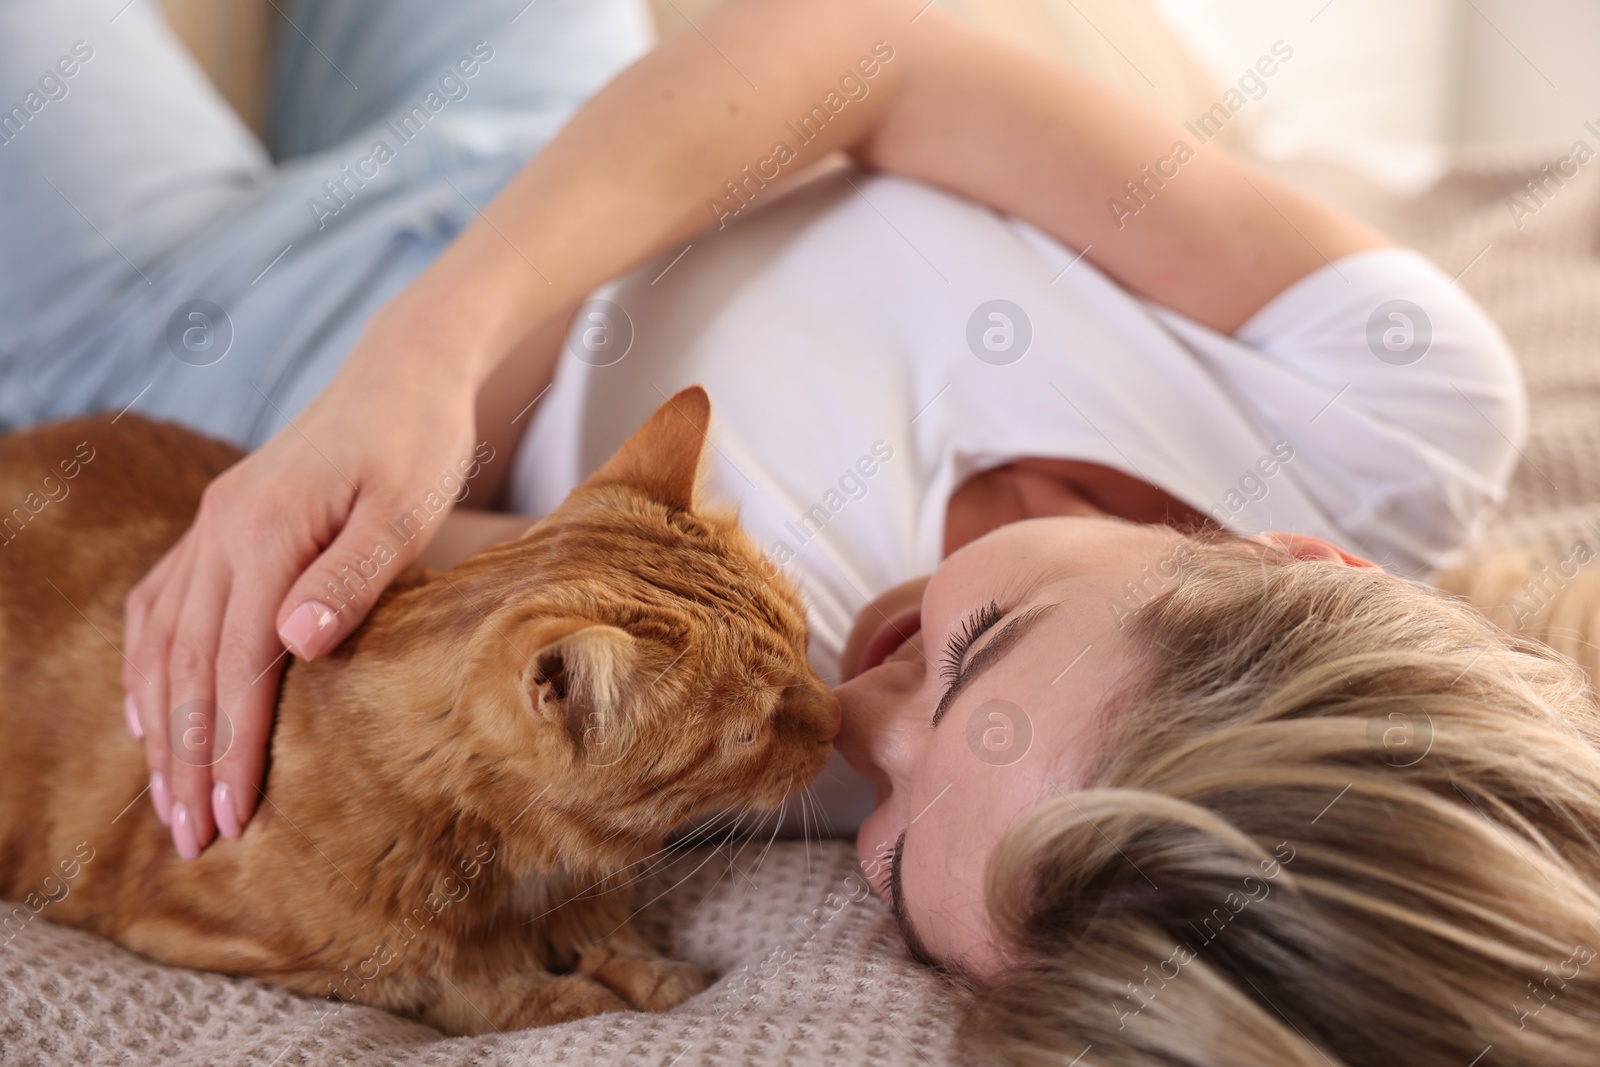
x,y
1038,488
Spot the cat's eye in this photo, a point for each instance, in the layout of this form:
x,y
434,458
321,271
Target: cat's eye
x,y
748,733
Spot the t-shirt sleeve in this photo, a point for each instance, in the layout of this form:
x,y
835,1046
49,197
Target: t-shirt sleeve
x,y
1404,400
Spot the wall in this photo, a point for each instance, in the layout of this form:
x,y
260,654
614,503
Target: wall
x,y
1395,79
1530,72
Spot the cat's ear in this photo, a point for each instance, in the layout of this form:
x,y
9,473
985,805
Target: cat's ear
x,y
576,678
663,456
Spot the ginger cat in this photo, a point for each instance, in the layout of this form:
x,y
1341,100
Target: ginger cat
x,y
457,796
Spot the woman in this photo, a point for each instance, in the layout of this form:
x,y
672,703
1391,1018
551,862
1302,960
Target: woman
x,y
1240,339
644,168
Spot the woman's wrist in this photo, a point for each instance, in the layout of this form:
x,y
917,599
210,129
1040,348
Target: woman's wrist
x,y
457,319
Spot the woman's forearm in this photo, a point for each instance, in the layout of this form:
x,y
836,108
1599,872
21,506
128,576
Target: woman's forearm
x,y
633,172
704,124
1200,232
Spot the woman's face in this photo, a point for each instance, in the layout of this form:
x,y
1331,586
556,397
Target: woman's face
x,y
971,695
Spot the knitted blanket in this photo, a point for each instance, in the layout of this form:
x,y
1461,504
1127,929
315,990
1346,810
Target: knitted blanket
x,y
806,972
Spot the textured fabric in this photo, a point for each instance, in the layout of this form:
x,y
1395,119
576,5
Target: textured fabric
x,y
846,994
802,981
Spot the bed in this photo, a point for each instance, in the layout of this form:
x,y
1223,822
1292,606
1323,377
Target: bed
x,y
802,974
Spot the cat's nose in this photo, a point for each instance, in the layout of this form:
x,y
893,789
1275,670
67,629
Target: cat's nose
x,y
811,705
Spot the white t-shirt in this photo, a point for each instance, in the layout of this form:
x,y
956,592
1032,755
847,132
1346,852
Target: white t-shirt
x,y
832,332
859,370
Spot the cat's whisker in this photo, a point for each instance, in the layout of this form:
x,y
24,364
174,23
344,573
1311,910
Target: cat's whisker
x,y
701,833
733,854
819,823
761,858
805,826
776,826
605,885
667,853
612,836
819,815
635,913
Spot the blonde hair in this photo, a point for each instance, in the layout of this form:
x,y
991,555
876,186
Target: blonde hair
x,y
1340,818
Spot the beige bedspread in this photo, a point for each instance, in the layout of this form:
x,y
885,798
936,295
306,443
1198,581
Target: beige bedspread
x,y
803,978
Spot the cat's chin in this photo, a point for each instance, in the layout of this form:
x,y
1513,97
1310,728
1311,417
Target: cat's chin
x,y
779,800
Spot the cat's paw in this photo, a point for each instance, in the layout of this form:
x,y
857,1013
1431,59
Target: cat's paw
x,y
649,983
567,997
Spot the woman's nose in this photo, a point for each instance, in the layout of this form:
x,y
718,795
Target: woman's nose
x,y
867,731
854,733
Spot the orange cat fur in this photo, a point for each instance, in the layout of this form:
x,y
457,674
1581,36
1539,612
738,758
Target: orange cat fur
x,y
457,796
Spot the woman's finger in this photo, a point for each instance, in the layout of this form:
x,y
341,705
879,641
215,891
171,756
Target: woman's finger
x,y
250,661
137,608
191,710
335,593
150,658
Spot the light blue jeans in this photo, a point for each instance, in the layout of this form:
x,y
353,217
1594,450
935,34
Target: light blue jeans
x,y
154,254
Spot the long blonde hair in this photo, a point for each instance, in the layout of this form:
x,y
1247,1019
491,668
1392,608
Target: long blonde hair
x,y
1339,819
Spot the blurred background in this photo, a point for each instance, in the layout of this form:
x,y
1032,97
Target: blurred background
x,y
1392,81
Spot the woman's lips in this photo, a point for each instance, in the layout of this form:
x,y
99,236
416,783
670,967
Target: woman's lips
x,y
890,636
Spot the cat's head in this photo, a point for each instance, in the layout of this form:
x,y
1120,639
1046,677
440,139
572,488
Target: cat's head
x,y
647,664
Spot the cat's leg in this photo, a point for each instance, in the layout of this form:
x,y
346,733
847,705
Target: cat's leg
x,y
624,962
514,1002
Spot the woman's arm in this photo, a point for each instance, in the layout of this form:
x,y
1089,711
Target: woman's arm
x,y
654,153
647,163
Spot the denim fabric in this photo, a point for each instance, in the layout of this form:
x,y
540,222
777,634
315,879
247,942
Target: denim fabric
x,y
154,253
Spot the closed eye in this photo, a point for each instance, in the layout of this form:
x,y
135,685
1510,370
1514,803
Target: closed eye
x,y
990,654
973,627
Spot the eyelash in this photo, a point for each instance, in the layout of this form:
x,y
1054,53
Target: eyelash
x,y
973,627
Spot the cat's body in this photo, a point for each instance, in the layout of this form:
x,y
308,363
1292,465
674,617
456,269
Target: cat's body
x,y
457,796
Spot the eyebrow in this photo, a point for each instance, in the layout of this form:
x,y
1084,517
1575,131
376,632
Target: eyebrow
x,y
991,653
897,905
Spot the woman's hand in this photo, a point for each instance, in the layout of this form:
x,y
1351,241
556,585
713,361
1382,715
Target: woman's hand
x,y
291,547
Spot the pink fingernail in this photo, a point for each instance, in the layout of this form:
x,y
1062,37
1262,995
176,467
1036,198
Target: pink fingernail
x,y
161,797
222,808
309,629
130,710
183,832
